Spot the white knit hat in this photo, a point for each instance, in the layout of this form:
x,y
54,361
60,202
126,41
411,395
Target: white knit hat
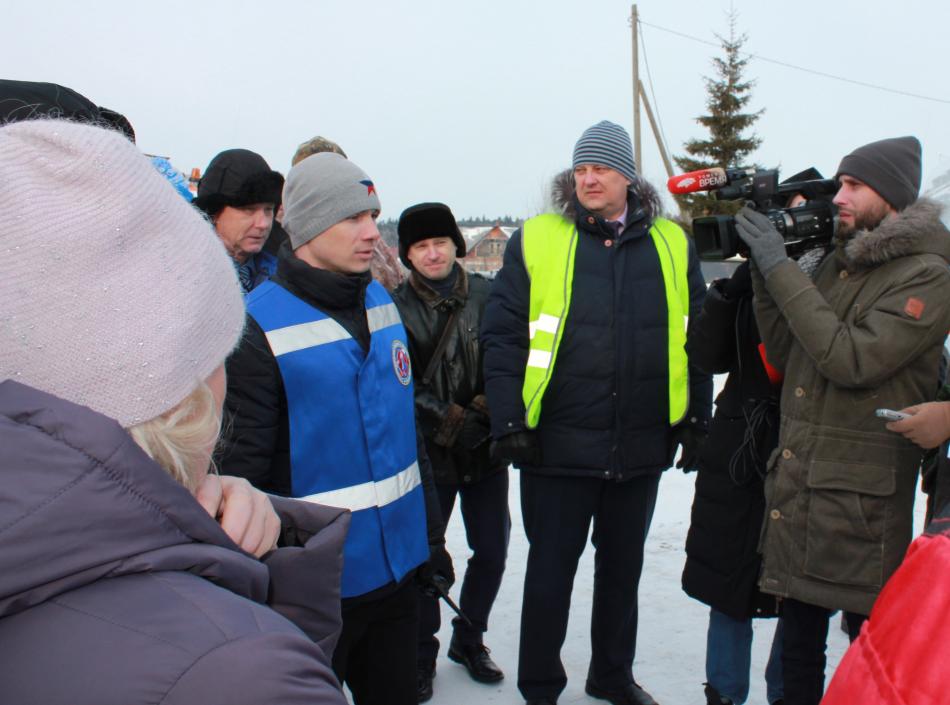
x,y
114,292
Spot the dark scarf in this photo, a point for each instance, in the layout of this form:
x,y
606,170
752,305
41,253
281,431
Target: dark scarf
x,y
340,296
442,287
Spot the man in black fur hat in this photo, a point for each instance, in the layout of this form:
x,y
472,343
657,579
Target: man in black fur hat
x,y
239,193
441,307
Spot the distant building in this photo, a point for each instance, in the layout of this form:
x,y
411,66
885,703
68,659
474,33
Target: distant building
x,y
486,248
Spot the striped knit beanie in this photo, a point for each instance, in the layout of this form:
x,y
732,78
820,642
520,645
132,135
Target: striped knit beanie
x,y
117,294
607,144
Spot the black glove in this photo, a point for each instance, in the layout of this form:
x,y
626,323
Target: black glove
x,y
436,574
520,448
690,437
738,285
475,430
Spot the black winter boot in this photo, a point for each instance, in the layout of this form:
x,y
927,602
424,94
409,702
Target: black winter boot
x,y
714,698
425,672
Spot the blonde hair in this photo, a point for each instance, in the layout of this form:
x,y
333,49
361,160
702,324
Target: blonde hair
x,y
182,440
315,145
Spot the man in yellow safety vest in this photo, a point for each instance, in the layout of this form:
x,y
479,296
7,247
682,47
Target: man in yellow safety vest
x,y
590,394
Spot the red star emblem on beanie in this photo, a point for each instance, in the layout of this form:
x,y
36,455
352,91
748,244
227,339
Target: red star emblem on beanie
x,y
370,187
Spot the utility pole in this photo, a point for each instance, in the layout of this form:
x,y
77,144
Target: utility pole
x,y
638,93
636,89
656,133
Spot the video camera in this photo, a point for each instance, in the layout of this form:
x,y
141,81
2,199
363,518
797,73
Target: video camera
x,y
802,227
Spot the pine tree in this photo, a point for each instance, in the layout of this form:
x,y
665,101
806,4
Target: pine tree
x,y
728,144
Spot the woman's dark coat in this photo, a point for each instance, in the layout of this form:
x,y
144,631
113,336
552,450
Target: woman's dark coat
x,y
118,588
722,560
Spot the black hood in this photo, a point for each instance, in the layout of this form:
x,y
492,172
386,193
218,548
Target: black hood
x,y
30,100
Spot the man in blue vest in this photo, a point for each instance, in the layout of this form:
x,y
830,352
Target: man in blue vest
x,y
587,382
321,407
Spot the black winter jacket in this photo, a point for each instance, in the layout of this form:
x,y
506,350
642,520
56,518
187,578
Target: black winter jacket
x,y
256,442
605,412
722,560
457,385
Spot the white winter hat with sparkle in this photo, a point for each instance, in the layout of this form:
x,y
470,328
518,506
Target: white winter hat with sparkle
x,y
114,292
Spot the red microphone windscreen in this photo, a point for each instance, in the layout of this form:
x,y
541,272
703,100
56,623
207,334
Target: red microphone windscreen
x,y
702,180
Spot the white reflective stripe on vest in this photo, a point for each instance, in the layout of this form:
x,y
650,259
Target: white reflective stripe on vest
x,y
545,323
380,317
539,358
370,494
309,335
305,335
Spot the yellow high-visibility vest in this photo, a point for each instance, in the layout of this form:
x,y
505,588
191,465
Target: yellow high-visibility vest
x,y
549,243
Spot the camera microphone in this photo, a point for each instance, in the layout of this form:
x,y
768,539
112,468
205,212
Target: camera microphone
x,y
705,180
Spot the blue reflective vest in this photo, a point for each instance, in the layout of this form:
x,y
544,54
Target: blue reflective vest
x,y
352,428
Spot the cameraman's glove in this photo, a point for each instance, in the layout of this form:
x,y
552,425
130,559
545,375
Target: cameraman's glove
x,y
475,430
764,241
436,574
690,437
520,448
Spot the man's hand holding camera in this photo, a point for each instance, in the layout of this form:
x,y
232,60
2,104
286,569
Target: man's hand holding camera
x,y
765,243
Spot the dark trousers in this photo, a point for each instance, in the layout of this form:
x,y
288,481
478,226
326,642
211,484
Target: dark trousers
x,y
557,513
376,654
803,655
487,522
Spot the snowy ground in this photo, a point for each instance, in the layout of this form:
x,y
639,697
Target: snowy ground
x,y
672,635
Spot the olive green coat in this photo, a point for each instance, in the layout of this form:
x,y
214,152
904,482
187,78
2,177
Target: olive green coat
x,y
867,333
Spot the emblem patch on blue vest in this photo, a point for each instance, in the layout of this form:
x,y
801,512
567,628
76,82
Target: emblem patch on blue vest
x,y
401,362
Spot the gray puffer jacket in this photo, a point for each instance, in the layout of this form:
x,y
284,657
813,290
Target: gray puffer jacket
x,y
117,588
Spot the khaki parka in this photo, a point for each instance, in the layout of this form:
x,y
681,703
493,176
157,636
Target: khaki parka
x,y
867,333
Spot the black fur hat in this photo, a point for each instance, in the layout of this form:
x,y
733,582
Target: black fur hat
x,y
237,177
425,220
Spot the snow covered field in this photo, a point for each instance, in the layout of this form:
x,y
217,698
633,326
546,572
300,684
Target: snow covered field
x,y
671,645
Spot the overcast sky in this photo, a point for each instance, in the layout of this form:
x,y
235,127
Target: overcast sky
x,y
478,104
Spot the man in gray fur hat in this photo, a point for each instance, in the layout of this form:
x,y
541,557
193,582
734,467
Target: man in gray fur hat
x,y
866,333
587,318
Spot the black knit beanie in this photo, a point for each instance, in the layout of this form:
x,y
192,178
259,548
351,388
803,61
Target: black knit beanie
x,y
237,177
891,167
425,220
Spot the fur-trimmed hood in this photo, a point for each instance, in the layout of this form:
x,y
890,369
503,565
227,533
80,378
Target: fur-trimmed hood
x,y
564,203
915,230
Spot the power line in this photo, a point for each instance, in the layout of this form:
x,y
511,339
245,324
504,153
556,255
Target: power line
x,y
785,64
659,119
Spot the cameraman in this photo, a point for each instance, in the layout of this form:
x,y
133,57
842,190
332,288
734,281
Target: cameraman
x,y
866,333
722,559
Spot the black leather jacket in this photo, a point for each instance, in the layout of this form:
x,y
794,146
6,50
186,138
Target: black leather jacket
x,y
457,383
